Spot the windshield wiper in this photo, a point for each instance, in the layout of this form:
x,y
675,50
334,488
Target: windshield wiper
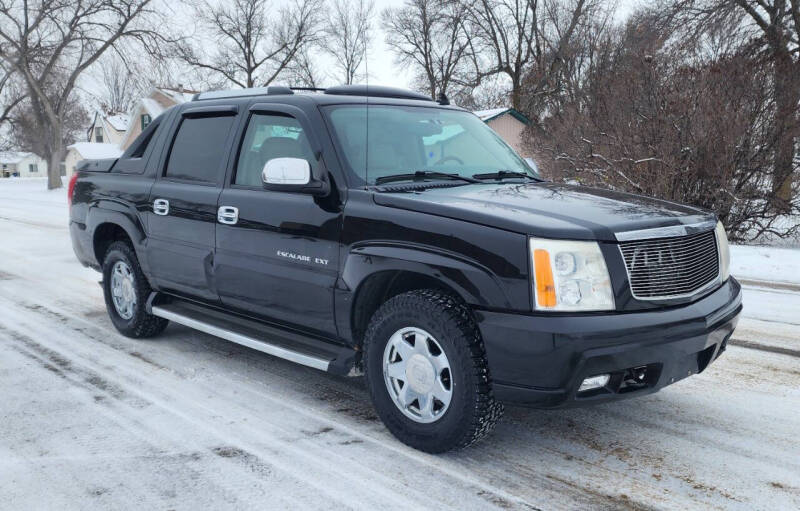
x,y
421,175
504,174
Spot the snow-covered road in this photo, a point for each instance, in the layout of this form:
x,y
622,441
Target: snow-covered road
x,y
91,419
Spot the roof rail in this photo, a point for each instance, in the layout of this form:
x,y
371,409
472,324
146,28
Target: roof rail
x,y
271,90
339,90
309,89
376,91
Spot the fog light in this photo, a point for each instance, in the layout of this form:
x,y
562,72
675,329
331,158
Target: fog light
x,y
594,382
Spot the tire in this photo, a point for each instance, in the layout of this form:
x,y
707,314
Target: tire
x,y
472,411
137,323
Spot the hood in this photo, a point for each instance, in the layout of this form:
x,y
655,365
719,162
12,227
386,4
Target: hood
x,y
548,210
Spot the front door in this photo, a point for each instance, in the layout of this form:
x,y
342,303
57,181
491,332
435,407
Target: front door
x,y
183,203
279,258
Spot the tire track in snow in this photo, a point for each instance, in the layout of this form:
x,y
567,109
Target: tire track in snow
x,y
98,388
323,392
487,493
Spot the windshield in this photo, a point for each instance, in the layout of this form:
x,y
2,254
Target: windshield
x,y
406,140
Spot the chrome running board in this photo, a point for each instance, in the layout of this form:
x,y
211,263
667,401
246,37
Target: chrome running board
x,y
218,326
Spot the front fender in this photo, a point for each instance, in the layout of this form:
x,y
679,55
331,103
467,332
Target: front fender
x,y
473,282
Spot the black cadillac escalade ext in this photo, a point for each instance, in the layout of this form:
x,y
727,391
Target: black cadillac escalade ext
x,y
372,230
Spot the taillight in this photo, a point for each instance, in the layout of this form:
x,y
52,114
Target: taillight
x,y
71,187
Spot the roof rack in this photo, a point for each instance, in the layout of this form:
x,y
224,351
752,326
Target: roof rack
x,y
271,90
309,89
376,91
339,90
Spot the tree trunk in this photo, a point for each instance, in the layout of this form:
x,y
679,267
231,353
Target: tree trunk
x,y
54,167
516,94
787,97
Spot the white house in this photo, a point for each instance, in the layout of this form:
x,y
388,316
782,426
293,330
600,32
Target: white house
x,y
107,128
150,107
21,164
88,151
509,124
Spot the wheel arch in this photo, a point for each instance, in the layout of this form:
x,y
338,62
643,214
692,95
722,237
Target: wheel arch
x,y
375,273
107,226
104,235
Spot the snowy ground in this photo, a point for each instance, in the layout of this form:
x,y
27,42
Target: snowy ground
x,y
91,419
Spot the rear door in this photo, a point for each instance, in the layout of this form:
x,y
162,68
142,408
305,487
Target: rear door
x,y
278,258
183,201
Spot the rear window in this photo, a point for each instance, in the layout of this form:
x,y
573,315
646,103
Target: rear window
x,y
199,149
142,142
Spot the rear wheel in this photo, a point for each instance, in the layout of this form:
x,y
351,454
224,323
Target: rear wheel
x,y
426,370
126,289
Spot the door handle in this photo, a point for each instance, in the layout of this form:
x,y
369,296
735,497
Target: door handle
x,y
161,207
228,215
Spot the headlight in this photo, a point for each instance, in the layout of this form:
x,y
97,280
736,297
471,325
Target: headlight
x,y
570,276
724,252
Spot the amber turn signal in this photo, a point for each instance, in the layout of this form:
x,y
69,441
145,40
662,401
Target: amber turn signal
x,y
545,286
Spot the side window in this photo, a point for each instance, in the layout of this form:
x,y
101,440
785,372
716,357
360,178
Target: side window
x,y
270,136
199,148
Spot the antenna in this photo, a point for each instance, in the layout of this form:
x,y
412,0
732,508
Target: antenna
x,y
366,133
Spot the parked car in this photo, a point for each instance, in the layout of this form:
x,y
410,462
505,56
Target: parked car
x,y
374,231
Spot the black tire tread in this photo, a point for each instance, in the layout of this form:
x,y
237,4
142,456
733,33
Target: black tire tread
x,y
486,411
143,324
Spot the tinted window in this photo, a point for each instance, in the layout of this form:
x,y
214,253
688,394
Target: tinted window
x,y
270,136
199,149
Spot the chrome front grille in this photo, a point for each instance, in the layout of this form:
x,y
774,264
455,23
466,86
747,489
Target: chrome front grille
x,y
671,267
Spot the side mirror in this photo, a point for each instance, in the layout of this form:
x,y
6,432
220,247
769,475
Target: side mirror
x,y
292,175
286,171
532,164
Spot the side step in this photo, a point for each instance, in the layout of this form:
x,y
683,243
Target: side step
x,y
275,341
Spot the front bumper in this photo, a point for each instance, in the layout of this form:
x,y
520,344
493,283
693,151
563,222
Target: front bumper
x,y
540,360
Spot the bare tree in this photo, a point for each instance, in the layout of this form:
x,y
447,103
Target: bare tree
x,y
672,121
491,93
252,43
518,34
11,94
26,130
348,34
51,43
772,26
304,71
433,38
123,83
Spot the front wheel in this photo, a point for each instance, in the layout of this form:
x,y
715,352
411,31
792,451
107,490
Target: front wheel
x,y
426,370
126,289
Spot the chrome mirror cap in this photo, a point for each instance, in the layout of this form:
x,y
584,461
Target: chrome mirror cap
x,y
286,171
532,164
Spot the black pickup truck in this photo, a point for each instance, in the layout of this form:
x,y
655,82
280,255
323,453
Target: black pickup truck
x,y
374,231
